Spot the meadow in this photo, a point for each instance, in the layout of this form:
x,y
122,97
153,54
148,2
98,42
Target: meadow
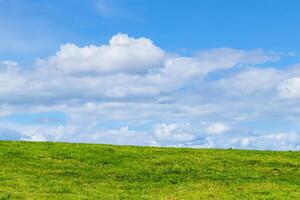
x,y
31,170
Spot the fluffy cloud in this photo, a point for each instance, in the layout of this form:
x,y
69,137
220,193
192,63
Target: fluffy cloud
x,y
10,77
279,141
217,128
252,81
130,91
125,68
173,133
271,141
290,88
122,54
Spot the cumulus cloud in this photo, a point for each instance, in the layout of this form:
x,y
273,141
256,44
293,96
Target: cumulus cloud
x,y
127,67
131,91
122,54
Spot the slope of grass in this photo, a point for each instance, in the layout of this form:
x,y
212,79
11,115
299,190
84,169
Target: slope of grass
x,y
88,171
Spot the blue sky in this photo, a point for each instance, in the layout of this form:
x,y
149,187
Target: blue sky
x,y
212,73
173,25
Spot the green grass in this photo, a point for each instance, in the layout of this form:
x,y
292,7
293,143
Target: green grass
x,y
88,171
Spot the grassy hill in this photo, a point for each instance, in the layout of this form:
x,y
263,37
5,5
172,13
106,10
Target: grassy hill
x,y
87,171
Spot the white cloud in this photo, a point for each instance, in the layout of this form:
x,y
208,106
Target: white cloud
x,y
251,81
228,57
290,88
212,60
122,54
170,133
217,128
274,141
127,68
173,134
279,141
10,77
137,85
121,136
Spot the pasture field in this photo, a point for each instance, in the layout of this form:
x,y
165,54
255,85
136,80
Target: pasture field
x,y
31,170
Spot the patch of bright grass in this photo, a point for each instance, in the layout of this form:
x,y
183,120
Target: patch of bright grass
x,y
90,171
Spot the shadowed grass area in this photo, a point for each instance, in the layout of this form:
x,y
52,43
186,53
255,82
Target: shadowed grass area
x,y
89,171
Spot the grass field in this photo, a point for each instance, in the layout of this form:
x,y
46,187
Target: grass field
x,y
86,171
